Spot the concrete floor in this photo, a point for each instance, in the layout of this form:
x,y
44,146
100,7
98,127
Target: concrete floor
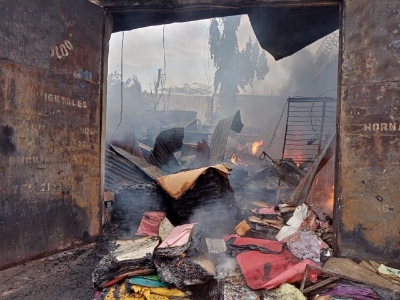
x,y
67,275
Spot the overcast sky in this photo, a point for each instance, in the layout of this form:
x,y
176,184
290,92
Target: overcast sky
x,y
188,61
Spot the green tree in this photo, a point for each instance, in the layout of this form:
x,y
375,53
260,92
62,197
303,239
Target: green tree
x,y
235,69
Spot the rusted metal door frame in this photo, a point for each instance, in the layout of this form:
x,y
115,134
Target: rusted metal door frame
x,y
107,31
335,244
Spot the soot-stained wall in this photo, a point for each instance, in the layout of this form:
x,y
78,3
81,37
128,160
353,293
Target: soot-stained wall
x,y
50,121
368,189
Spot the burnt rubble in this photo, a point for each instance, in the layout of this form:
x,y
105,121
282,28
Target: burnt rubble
x,y
207,223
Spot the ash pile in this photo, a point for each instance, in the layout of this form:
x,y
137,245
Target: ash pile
x,y
190,222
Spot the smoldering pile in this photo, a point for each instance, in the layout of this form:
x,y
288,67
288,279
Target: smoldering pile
x,y
191,225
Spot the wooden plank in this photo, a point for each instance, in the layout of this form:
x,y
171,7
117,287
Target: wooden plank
x,y
320,284
347,269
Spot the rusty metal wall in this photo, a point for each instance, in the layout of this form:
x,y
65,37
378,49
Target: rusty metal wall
x,y
50,108
368,188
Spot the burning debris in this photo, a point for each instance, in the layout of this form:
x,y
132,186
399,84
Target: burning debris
x,y
221,222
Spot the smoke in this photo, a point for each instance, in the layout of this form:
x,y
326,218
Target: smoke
x,y
295,76
225,266
291,76
216,219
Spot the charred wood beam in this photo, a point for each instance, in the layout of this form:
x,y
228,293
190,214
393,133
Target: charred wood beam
x,y
184,5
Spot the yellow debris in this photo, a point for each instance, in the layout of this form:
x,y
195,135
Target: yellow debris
x,y
157,293
119,292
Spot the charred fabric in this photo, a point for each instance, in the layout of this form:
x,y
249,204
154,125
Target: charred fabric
x,y
194,215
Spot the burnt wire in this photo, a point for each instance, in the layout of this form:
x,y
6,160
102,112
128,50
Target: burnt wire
x,y
207,64
122,78
165,71
275,131
165,61
157,102
207,67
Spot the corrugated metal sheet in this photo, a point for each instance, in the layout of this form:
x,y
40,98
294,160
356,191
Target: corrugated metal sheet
x,y
152,171
50,75
309,20
308,24
121,173
367,191
220,137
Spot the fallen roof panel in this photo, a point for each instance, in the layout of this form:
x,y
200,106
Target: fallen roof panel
x,y
121,173
152,171
282,27
220,137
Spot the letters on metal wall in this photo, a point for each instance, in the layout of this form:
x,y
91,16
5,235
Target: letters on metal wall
x,y
50,76
368,189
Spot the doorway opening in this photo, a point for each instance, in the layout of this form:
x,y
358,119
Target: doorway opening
x,y
177,92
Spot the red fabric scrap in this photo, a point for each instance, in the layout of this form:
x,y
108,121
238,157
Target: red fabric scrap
x,y
268,244
259,268
265,271
294,274
150,223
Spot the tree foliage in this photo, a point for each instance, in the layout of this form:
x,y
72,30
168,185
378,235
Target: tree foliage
x,y
134,99
192,89
235,69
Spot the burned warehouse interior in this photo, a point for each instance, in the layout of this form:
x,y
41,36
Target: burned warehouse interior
x,y
199,149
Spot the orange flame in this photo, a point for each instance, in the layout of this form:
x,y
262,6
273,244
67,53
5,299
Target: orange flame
x,y
236,160
255,146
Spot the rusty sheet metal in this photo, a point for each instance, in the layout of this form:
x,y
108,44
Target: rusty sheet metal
x,y
130,144
50,73
220,137
152,171
367,191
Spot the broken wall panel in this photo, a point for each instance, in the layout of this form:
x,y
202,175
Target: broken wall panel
x,y
367,205
50,75
220,136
